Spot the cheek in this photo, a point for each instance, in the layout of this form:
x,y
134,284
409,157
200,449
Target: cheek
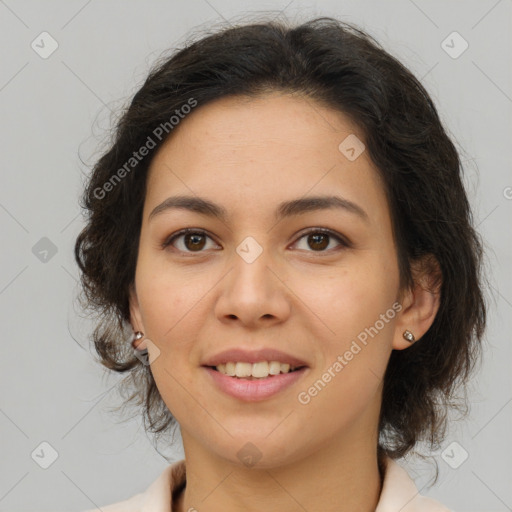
x,y
353,353
357,324
169,314
351,298
169,297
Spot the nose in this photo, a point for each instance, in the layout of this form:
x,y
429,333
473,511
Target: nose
x,y
253,293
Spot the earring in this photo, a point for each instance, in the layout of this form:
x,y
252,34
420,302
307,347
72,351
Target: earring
x,y
138,336
409,336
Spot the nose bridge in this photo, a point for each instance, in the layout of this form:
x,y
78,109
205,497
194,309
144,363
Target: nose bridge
x,y
252,291
250,275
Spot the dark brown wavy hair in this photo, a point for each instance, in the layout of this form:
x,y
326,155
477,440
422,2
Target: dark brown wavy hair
x,y
347,70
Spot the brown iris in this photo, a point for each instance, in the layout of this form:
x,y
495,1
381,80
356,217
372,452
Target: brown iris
x,y
320,240
197,241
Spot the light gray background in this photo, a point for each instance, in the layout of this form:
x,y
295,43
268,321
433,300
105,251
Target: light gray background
x,y
53,109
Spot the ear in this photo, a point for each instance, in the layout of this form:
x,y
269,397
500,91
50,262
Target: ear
x,y
135,316
420,303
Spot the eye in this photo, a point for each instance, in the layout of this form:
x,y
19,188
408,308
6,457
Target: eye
x,y
193,240
319,239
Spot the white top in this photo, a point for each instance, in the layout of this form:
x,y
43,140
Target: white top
x,y
399,493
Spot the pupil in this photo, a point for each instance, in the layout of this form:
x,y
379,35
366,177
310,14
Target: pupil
x,y
317,240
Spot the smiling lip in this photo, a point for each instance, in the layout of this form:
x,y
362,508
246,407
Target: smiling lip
x,y
254,390
238,355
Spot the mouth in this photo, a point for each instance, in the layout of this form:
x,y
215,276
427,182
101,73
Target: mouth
x,y
254,382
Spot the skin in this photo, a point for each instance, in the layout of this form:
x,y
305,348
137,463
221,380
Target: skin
x,y
248,155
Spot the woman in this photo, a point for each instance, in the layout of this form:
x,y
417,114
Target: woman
x,y
282,224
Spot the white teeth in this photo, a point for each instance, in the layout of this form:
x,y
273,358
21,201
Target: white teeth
x,y
274,368
230,369
243,369
260,370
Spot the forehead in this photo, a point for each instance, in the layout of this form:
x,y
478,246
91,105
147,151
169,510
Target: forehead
x,y
252,151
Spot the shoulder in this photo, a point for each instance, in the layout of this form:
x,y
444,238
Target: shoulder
x,y
399,492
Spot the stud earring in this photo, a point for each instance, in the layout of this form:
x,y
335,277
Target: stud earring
x,y
409,336
138,335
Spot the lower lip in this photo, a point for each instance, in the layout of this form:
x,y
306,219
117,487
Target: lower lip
x,y
254,390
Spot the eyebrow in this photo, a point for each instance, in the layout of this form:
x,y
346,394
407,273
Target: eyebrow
x,y
285,209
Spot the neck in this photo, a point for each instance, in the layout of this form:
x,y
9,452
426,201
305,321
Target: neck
x,y
339,477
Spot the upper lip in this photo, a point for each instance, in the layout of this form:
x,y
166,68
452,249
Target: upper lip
x,y
253,356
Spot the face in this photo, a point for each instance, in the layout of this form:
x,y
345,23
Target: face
x,y
316,281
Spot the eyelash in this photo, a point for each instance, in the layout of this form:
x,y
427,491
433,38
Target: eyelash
x,y
342,241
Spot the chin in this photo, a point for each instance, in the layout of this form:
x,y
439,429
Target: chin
x,y
260,451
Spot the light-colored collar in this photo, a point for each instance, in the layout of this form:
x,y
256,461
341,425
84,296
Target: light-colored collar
x,y
399,493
